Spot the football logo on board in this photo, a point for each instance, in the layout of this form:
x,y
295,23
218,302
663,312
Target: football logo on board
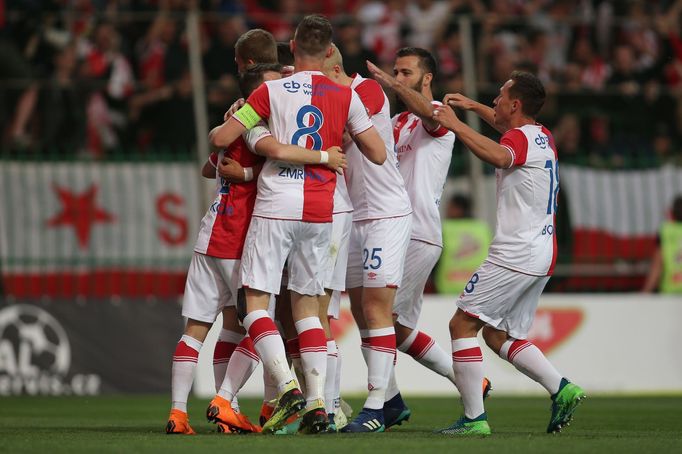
x,y
35,355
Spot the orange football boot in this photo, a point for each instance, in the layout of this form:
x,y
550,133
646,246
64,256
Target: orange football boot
x,y
178,423
223,428
220,410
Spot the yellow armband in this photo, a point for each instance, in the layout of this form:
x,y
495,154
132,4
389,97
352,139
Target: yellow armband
x,y
247,116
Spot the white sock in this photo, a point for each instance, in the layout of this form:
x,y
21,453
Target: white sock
x,y
243,362
182,373
269,345
337,383
313,347
468,367
330,382
428,353
392,389
224,348
269,389
380,356
529,360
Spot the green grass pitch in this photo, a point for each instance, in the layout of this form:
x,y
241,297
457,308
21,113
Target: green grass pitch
x,y
136,424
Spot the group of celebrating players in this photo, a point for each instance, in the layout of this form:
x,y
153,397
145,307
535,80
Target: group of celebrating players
x,y
320,191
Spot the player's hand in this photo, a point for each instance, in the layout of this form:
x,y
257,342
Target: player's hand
x,y
337,160
446,117
238,104
231,170
459,100
380,76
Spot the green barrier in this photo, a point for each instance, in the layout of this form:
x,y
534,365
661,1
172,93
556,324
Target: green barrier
x,y
671,248
465,246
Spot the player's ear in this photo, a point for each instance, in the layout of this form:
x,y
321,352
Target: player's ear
x,y
292,45
330,52
428,77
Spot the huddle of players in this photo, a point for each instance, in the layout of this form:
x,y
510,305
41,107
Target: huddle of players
x,y
384,224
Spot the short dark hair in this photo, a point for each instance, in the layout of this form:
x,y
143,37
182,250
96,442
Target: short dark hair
x,y
258,45
427,62
284,55
252,76
528,89
313,35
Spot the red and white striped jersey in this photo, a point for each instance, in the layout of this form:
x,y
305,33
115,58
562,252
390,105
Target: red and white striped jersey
x,y
377,192
424,158
525,237
309,110
224,226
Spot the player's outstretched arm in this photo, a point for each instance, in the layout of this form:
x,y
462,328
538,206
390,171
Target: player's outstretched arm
x,y
462,102
333,157
371,145
484,148
414,101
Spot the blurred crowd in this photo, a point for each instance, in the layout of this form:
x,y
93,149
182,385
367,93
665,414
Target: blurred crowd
x,y
89,77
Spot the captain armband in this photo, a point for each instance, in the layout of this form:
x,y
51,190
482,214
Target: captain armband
x,y
247,116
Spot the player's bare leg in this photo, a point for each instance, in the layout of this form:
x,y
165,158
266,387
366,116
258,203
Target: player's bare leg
x,y
468,366
184,363
530,361
313,347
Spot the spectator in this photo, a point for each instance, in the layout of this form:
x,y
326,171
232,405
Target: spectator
x,y
107,105
348,38
63,106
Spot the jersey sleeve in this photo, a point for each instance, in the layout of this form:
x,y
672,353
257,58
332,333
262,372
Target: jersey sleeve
x,y
358,120
371,95
516,142
260,101
253,135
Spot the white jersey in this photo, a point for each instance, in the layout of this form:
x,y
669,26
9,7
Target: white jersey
x,y
424,158
309,110
377,192
525,239
342,201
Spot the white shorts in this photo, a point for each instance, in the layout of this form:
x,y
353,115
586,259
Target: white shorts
x,y
211,285
377,252
502,298
272,242
335,277
334,305
419,261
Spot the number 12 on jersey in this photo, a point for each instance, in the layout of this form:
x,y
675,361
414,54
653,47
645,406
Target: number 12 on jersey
x,y
552,202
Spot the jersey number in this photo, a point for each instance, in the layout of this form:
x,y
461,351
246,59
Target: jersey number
x,y
552,202
303,116
374,259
